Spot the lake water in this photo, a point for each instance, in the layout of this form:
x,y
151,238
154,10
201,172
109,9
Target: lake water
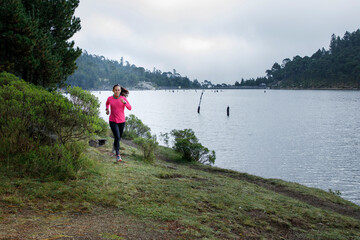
x,y
307,136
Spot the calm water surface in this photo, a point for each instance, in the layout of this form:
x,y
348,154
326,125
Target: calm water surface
x,y
310,137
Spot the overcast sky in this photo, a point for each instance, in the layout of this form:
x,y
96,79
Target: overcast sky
x,y
217,40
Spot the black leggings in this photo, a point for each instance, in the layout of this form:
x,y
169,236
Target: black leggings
x,y
117,129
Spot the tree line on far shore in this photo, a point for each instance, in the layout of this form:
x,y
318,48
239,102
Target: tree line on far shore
x,y
338,67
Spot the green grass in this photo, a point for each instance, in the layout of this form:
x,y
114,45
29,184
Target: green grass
x,y
203,203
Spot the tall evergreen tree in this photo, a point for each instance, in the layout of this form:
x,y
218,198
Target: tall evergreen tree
x,y
34,43
17,39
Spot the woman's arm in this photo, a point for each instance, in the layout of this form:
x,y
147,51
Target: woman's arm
x,y
126,102
107,104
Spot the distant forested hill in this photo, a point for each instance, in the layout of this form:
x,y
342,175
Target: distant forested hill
x,y
97,72
338,67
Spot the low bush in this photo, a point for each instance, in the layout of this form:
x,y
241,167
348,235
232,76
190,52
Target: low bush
x,y
134,128
38,126
148,145
186,143
55,162
87,122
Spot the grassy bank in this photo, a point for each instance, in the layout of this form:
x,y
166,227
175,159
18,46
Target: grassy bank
x,y
168,200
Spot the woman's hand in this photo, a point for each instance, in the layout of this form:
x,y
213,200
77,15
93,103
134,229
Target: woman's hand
x,y
123,101
107,111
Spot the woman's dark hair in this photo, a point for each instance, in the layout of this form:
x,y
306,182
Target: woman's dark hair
x,y
116,85
124,92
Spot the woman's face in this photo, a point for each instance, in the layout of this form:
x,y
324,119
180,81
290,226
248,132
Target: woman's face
x,y
117,91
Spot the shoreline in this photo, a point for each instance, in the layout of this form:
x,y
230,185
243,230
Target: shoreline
x,y
243,88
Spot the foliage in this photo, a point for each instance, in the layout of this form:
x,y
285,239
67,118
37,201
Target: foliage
x,y
176,201
34,40
336,192
134,128
165,138
338,67
38,126
58,161
148,145
188,145
97,72
88,114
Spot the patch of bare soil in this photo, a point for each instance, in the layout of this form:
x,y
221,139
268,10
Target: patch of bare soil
x,y
102,223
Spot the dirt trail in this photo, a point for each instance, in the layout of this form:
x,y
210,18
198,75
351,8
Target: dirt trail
x,y
102,223
281,189
268,184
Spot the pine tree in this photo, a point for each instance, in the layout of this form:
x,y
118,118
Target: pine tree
x,y
17,40
34,42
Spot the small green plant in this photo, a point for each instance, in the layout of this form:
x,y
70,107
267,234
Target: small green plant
x,y
134,128
165,138
336,192
148,145
188,145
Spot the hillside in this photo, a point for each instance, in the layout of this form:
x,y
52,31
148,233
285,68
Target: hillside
x,y
98,72
338,67
169,200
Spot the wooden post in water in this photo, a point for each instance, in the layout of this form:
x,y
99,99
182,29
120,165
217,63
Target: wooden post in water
x,y
228,111
200,101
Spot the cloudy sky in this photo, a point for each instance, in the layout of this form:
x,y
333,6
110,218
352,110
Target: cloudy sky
x,y
217,40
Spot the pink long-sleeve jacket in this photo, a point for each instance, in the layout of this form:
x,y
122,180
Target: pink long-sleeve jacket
x,y
117,108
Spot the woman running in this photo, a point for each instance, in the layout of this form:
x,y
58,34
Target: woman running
x,y
117,103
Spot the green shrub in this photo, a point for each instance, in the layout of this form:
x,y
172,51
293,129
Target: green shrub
x,y
148,145
36,123
186,143
56,162
47,116
134,128
87,107
165,138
